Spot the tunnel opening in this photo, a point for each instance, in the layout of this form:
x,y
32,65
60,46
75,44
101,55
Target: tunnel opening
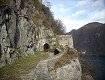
x,y
46,47
56,51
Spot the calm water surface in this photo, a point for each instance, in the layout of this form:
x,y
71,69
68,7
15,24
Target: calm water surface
x,y
97,64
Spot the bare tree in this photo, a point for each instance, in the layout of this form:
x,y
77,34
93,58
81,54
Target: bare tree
x,y
58,27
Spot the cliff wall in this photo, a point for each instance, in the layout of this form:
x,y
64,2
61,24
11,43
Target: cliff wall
x,y
24,29
26,26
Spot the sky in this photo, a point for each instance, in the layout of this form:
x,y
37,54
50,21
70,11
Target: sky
x,y
77,13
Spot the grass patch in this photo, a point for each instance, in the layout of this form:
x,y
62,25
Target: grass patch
x,y
65,59
21,66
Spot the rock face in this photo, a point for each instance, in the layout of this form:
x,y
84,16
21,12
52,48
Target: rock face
x,y
68,72
90,38
26,28
23,30
45,70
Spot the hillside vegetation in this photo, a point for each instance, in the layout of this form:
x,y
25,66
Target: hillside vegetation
x,y
46,15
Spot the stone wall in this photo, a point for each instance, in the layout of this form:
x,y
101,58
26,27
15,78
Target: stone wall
x,y
65,40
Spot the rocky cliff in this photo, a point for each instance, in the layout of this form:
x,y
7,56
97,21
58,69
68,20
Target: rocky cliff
x,y
90,38
25,26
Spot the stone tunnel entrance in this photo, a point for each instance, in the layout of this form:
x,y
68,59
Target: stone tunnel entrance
x,y
56,51
46,46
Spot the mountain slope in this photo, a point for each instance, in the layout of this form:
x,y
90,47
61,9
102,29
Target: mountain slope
x,y
90,38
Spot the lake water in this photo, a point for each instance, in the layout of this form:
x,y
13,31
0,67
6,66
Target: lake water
x,y
97,64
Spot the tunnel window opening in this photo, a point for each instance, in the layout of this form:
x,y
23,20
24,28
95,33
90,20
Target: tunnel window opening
x,y
56,51
46,47
11,54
